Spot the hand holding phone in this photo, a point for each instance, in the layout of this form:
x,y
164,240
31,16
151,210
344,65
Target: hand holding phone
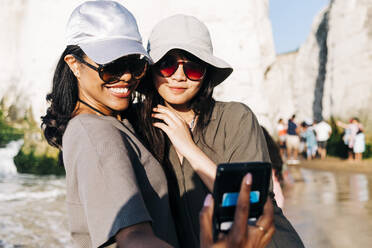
x,y
241,234
226,192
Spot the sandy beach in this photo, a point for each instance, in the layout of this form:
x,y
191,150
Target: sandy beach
x,y
337,164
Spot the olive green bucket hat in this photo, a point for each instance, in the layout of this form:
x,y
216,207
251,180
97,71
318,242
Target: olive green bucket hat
x,y
189,34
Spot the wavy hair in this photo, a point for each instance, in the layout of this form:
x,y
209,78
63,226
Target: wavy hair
x,y
62,99
154,138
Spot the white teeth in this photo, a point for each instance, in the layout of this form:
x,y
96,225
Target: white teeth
x,y
119,90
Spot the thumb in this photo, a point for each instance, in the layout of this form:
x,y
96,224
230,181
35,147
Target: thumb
x,y
205,219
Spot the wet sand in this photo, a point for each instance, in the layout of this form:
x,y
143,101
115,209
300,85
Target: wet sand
x,y
336,164
329,202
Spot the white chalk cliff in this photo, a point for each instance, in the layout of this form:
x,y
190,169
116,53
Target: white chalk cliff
x,y
33,39
329,75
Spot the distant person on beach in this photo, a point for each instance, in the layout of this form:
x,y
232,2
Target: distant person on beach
x,y
323,131
292,141
117,191
310,140
359,143
282,135
350,132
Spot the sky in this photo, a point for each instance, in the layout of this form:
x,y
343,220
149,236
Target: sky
x,y
291,21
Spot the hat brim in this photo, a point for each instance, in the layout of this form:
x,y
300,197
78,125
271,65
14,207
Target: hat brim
x,y
105,51
220,69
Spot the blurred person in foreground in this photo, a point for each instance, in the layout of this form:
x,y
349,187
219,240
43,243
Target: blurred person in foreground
x,y
277,167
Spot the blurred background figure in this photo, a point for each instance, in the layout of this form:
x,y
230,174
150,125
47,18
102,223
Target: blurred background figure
x,y
310,140
277,167
282,134
359,143
292,141
351,130
323,131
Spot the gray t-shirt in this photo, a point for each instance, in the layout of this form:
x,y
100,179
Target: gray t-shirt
x,y
113,182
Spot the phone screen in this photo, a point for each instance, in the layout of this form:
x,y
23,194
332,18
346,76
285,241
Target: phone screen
x,y
227,187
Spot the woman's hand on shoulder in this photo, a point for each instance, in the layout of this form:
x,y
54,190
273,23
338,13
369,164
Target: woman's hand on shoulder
x,y
175,127
241,235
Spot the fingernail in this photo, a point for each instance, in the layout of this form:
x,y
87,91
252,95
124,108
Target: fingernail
x,y
208,200
248,179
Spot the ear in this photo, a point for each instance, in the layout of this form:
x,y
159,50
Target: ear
x,y
73,64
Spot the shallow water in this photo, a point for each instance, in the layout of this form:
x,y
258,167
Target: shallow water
x,y
327,209
330,209
32,212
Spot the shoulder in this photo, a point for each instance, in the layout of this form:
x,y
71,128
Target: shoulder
x,y
93,127
231,110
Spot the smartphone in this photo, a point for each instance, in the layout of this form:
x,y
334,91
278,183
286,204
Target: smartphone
x,y
226,192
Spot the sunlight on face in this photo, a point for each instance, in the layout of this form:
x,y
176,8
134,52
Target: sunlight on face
x,y
176,89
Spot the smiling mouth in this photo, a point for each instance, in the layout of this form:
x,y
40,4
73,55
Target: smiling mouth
x,y
119,90
177,88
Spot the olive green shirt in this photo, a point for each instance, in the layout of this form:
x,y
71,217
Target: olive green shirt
x,y
113,182
232,135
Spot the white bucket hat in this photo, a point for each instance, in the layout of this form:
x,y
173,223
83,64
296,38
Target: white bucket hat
x,y
105,31
189,34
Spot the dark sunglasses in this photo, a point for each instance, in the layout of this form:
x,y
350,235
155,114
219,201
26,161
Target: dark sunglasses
x,y
113,71
193,70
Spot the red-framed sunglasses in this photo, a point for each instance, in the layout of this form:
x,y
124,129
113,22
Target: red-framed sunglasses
x,y
193,70
113,71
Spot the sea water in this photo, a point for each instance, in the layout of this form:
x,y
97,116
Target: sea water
x,y
32,208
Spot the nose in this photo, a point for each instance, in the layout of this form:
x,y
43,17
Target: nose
x,y
126,77
179,74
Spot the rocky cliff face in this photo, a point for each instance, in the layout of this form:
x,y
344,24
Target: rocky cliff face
x,y
330,75
348,84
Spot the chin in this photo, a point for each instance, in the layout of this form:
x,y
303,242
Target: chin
x,y
120,107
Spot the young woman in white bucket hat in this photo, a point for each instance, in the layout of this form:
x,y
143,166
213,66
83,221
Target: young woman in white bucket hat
x,y
190,132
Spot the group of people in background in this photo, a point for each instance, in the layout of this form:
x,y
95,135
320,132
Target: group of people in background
x,y
310,138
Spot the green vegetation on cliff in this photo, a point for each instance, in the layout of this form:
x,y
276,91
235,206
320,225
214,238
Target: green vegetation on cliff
x,y
35,155
7,132
29,162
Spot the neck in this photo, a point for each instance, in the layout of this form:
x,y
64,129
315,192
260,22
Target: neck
x,y
85,107
185,112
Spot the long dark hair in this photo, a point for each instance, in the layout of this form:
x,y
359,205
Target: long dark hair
x,y
274,153
154,138
62,99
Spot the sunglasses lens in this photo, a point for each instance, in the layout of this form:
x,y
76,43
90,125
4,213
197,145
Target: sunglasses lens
x,y
113,71
168,66
194,71
138,67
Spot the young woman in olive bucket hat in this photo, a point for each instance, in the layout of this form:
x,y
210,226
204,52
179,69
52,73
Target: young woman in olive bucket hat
x,y
186,129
